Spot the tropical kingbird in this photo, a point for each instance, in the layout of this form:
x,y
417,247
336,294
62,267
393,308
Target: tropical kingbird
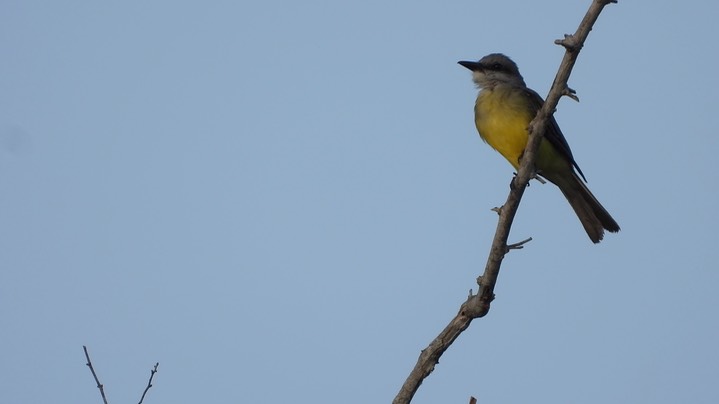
x,y
505,106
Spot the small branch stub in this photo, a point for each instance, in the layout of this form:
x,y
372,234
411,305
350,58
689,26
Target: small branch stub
x,y
569,92
539,179
569,43
518,246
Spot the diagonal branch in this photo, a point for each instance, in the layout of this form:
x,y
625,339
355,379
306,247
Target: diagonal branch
x,y
478,305
92,369
149,382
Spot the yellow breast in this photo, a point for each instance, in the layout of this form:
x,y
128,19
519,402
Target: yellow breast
x,y
502,117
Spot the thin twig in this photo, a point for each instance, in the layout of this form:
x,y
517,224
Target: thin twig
x,y
149,382
478,305
518,246
99,385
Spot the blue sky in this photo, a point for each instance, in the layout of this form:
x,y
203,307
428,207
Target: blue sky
x,y
286,201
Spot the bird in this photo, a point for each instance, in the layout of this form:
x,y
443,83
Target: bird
x,y
504,108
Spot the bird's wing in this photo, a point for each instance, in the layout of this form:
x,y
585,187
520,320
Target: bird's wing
x,y
553,133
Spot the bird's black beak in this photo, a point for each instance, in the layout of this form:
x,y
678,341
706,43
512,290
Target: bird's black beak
x,y
473,66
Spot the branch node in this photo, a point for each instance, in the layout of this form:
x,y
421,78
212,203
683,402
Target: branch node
x,y
498,210
569,43
513,183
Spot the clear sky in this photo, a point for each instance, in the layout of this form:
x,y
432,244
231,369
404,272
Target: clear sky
x,y
285,201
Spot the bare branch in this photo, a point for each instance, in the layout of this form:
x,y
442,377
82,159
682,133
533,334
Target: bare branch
x,y
99,385
102,388
478,305
149,382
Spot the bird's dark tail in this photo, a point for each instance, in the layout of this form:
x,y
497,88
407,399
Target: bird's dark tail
x,y
591,213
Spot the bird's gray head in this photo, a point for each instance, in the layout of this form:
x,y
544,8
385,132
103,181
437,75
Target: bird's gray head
x,y
494,69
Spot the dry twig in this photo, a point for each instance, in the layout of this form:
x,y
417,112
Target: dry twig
x,y
92,369
149,382
102,388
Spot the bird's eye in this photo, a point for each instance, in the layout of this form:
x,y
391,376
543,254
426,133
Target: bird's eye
x,y
496,66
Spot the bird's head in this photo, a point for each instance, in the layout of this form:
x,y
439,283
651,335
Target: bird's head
x,y
494,69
